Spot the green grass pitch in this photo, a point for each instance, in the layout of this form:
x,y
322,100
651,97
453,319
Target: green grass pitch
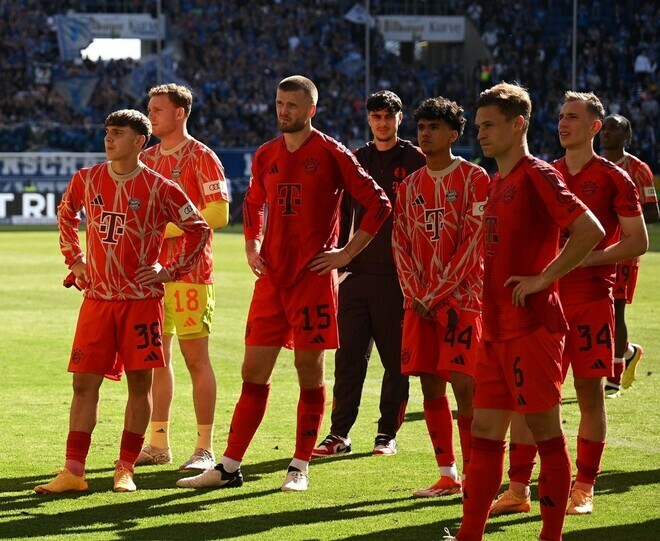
x,y
360,497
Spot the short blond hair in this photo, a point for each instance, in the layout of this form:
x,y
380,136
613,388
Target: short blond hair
x,y
511,99
593,103
180,96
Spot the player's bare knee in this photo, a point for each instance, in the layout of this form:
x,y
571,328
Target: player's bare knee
x,y
433,387
545,425
463,387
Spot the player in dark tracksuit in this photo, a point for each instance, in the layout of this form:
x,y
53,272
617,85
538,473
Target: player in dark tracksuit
x,y
370,298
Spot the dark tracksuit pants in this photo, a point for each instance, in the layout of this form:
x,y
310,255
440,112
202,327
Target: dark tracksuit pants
x,y
370,310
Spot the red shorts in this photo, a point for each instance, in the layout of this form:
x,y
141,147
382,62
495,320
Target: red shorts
x,y
430,348
589,342
302,316
522,374
113,336
626,280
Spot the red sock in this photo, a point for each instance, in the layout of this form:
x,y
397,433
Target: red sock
x,y
522,459
554,486
311,406
465,435
130,447
248,414
77,446
589,454
483,480
439,422
619,367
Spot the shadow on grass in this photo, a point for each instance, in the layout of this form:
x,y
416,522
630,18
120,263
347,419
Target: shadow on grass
x,y
642,531
127,517
29,515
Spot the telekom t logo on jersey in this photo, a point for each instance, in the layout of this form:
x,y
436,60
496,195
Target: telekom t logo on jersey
x,y
434,221
112,225
288,196
490,224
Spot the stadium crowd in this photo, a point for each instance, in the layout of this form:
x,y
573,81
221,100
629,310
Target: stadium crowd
x,y
233,53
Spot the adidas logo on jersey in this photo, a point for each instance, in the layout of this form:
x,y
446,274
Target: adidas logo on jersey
x,y
318,339
153,356
419,200
273,170
521,400
98,201
190,322
458,360
438,450
598,365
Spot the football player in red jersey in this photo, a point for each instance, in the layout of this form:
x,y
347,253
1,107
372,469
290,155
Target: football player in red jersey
x,y
128,207
301,175
586,294
519,361
189,302
438,249
614,137
370,300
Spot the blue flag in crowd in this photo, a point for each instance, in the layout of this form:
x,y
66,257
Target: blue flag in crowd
x,y
77,91
73,35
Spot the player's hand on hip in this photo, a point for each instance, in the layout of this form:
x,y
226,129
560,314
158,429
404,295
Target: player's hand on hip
x,y
524,286
147,275
254,259
325,262
79,270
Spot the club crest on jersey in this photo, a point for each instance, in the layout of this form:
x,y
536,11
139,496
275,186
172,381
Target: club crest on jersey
x,y
134,203
186,211
405,355
76,356
176,173
400,173
509,193
589,189
311,165
452,195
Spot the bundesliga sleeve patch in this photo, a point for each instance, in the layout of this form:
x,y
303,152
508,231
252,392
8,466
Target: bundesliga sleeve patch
x,y
212,187
478,208
649,191
186,211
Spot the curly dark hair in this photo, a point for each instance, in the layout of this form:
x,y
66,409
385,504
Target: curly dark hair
x,y
442,109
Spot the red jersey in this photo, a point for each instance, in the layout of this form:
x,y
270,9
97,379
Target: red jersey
x,y
641,175
199,173
523,217
437,238
303,190
609,193
126,219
